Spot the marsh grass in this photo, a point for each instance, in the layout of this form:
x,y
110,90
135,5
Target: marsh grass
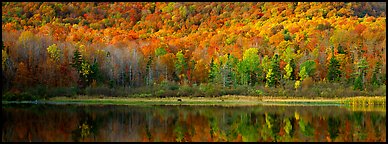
x,y
364,100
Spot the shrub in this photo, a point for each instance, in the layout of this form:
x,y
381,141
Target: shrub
x,y
160,93
185,90
62,91
210,90
96,91
9,96
306,83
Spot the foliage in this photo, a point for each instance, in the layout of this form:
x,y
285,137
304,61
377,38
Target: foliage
x,y
139,44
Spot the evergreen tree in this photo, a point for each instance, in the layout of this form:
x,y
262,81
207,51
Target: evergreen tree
x,y
334,70
376,80
293,66
358,83
362,65
214,71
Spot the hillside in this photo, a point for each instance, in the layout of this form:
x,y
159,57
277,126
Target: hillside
x,y
103,46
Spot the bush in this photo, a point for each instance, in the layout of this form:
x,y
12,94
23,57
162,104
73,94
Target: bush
x,y
307,83
160,93
62,91
185,91
239,90
97,91
26,96
40,91
210,90
9,96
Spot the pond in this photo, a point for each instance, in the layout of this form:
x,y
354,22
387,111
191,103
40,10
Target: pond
x,y
121,123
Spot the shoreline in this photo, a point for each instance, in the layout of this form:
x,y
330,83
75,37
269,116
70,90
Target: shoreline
x,y
221,100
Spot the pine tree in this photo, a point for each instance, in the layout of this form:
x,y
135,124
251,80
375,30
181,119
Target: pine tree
x,y
293,66
214,71
376,81
334,70
362,65
358,83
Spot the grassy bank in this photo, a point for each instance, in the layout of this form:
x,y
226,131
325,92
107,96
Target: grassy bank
x,y
222,100
171,90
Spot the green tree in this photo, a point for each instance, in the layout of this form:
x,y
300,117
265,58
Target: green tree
x,y
307,69
362,66
85,71
214,72
293,66
242,72
288,70
334,73
376,78
250,64
227,69
180,65
77,60
273,75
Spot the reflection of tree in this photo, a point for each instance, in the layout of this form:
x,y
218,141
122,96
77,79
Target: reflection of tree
x,y
178,133
289,126
289,129
272,126
359,126
334,124
85,129
376,122
247,129
307,129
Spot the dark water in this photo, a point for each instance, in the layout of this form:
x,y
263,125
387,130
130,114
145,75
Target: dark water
x,y
44,122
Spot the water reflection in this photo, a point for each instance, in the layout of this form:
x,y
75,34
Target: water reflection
x,y
29,122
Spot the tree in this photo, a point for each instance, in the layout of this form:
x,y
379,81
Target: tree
x,y
227,66
289,71
201,71
376,78
334,73
273,76
307,69
24,77
54,52
362,66
84,69
214,73
180,65
250,65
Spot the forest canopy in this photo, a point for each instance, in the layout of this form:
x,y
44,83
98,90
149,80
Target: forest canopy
x,y
136,44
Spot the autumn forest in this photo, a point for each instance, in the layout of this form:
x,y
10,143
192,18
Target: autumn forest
x,y
327,49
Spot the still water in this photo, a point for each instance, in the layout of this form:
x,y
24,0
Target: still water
x,y
48,122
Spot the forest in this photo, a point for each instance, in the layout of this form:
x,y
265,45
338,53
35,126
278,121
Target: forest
x,y
163,49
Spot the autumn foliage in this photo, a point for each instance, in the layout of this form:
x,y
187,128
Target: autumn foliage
x,y
137,44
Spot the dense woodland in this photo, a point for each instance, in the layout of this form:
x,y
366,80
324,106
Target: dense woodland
x,y
164,47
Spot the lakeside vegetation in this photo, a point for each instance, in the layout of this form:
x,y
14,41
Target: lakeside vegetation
x,y
354,103
210,49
